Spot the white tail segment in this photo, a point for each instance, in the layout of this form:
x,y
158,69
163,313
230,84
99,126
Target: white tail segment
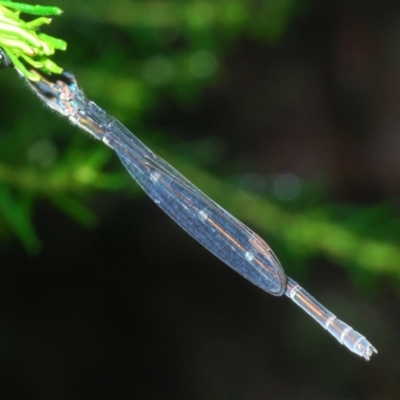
x,y
343,333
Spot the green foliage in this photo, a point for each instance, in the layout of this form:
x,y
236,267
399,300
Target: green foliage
x,y
128,55
22,40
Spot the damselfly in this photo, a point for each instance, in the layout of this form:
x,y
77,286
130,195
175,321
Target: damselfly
x,y
208,223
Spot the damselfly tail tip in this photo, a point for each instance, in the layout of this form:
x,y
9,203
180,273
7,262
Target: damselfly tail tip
x,y
369,352
358,344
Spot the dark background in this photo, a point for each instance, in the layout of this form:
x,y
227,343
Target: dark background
x,y
287,113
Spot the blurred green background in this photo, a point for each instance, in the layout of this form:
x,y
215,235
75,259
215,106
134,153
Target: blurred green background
x,y
284,112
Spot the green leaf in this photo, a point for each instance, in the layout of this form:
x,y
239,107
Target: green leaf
x,y
32,9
